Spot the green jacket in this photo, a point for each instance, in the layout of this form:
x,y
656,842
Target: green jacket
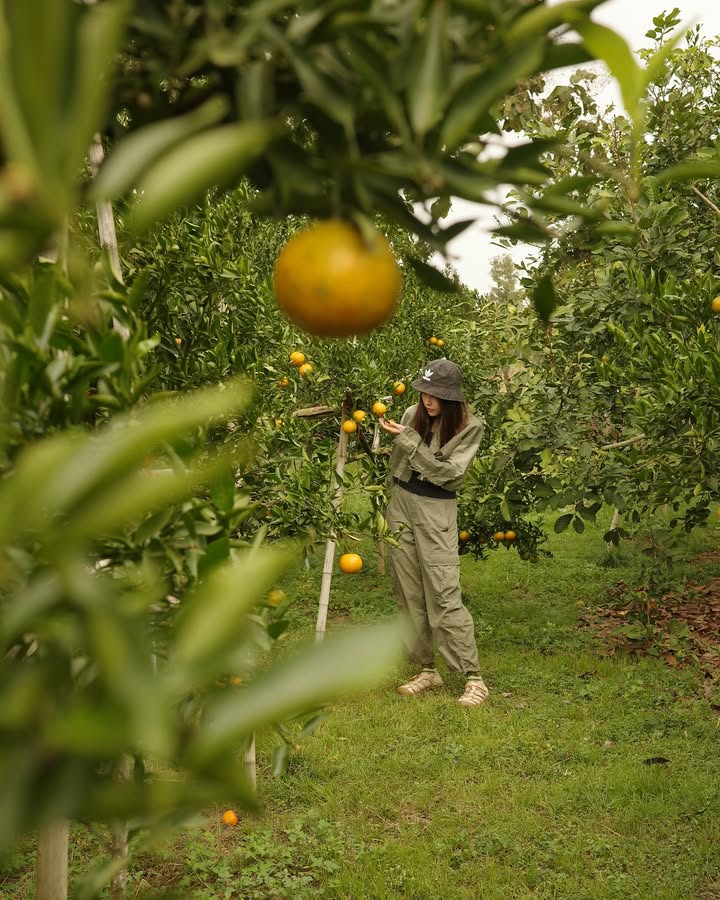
x,y
444,466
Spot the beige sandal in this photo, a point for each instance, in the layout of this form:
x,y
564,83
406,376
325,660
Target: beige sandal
x,y
475,693
425,681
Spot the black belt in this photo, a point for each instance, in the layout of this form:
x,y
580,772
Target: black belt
x,y
425,488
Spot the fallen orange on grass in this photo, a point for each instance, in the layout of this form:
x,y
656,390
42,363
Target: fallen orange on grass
x,y
229,817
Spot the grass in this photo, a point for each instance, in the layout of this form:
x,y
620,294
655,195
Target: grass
x,y
551,790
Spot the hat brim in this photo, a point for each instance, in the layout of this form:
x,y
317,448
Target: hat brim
x,y
448,393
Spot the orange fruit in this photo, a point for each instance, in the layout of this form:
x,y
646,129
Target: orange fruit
x,y
348,426
440,342
432,340
278,423
379,408
499,535
276,597
305,369
334,281
715,305
464,536
510,535
178,341
398,388
350,563
229,817
359,415
283,383
297,358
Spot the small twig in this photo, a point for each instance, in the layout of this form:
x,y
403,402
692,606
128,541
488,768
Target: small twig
x,y
618,444
706,200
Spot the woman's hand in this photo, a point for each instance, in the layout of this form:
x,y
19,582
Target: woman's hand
x,y
390,426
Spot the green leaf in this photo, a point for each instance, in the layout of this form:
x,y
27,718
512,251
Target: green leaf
x,y
578,524
430,276
543,18
351,660
690,170
563,522
215,617
130,158
544,298
607,45
373,69
429,76
216,157
98,40
474,99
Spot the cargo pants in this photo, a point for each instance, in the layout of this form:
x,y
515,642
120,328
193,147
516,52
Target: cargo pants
x,y
426,575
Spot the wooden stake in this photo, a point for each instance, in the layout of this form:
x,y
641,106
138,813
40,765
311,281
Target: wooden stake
x,y
330,545
251,763
104,210
119,834
52,862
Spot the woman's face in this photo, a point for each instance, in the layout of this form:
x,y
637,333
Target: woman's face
x,y
432,405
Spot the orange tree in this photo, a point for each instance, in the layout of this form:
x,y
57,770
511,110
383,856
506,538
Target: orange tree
x,y
636,425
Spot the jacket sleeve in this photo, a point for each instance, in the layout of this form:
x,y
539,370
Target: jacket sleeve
x,y
447,464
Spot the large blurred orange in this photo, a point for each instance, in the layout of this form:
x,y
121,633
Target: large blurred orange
x,y
333,281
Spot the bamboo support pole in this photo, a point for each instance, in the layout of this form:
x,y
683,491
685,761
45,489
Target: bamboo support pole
x,y
104,210
613,526
330,545
119,836
251,762
52,861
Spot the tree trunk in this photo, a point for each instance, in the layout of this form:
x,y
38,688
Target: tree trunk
x,y
52,861
119,838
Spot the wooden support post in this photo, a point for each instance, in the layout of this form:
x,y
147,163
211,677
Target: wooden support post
x,y
119,833
613,526
104,210
330,545
251,763
52,862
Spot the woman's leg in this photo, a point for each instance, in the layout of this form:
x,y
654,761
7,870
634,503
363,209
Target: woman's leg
x,y
437,551
409,591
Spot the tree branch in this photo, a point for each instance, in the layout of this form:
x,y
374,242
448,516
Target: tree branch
x,y
705,200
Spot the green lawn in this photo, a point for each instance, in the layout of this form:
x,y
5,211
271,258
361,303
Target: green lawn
x,y
546,791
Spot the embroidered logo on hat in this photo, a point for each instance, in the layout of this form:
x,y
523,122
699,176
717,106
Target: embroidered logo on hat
x,y
427,374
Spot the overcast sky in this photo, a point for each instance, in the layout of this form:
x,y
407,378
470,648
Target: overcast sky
x,y
472,251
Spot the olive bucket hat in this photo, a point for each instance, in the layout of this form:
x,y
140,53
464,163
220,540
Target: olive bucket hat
x,y
441,378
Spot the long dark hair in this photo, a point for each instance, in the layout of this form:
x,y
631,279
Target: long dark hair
x,y
453,418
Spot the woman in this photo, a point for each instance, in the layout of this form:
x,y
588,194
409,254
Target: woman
x,y
433,446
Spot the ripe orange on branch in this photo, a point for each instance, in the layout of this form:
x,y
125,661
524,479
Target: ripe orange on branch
x,y
334,281
464,536
398,388
359,415
432,340
297,358
379,408
305,369
349,426
715,305
350,563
